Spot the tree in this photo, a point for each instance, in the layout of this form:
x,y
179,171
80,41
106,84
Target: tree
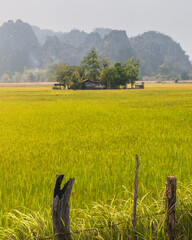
x,y
16,77
81,71
76,77
185,76
121,74
164,69
67,75
31,77
91,65
62,73
108,77
104,63
132,71
5,78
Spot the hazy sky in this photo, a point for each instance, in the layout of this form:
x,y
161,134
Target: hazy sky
x,y
171,17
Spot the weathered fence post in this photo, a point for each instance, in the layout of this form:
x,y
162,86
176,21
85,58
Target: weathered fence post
x,y
170,207
135,192
60,208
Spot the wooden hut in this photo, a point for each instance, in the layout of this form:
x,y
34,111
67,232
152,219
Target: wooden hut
x,y
58,86
90,84
139,86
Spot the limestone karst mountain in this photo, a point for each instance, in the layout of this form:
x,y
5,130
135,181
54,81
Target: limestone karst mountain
x,y
117,47
155,49
19,47
22,45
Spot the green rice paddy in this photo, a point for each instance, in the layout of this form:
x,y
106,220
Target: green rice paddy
x,y
94,137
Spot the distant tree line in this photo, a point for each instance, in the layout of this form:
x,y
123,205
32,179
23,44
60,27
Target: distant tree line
x,y
166,72
96,69
28,75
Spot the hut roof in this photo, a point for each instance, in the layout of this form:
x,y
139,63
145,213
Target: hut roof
x,y
88,80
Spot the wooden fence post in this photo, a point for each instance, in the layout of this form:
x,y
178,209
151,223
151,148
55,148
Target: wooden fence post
x,y
135,192
170,207
60,208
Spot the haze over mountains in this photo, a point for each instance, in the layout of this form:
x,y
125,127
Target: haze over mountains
x,y
22,45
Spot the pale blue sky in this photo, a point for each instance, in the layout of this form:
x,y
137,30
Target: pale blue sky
x,y
172,17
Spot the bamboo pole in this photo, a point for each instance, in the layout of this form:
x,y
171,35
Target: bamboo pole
x,y
135,192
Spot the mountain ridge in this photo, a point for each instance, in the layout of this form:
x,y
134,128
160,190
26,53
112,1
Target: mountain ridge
x,y
23,45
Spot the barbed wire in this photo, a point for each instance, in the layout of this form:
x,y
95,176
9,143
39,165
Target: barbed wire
x,y
102,227
115,224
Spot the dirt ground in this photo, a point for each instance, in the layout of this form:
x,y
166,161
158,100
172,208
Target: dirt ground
x,y
28,84
50,84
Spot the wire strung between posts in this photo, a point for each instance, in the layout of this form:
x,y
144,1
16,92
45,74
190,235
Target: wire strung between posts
x,y
113,225
106,226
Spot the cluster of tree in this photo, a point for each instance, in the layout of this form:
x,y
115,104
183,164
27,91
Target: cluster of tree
x,y
186,76
169,77
166,72
28,75
96,69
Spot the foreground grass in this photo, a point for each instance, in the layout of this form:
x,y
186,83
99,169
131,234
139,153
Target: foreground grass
x,y
92,136
110,220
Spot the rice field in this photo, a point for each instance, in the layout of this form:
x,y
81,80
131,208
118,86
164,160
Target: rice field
x,y
92,136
